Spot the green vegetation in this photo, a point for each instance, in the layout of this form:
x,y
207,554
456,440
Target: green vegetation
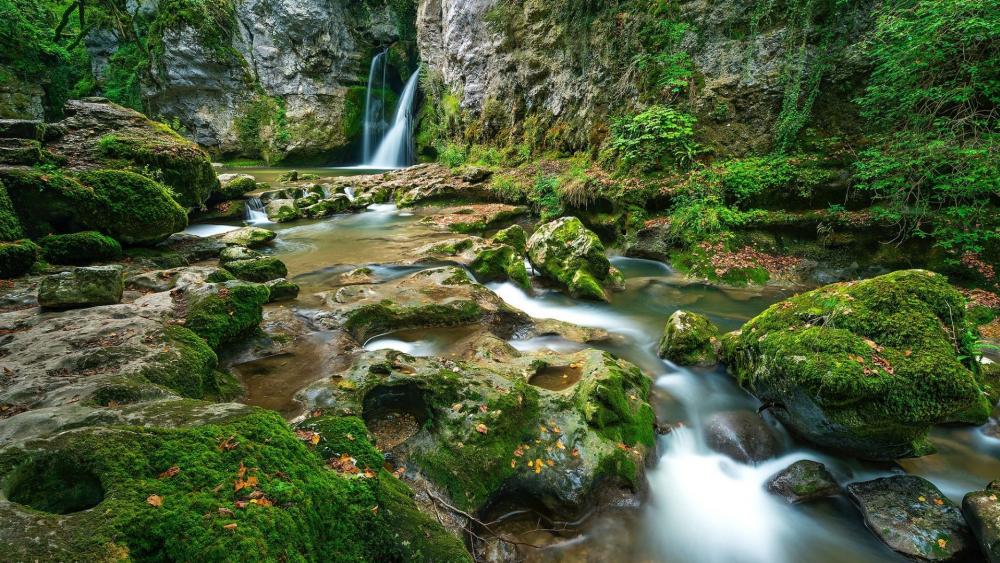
x,y
130,207
660,138
232,312
79,248
17,258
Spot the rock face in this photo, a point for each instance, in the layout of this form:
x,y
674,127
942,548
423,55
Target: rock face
x,y
743,436
554,65
910,515
82,287
689,339
288,80
982,511
569,254
803,481
866,367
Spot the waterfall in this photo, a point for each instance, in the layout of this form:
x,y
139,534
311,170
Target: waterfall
x,y
255,211
396,150
374,123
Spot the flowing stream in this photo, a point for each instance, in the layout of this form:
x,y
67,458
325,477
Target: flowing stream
x,y
701,505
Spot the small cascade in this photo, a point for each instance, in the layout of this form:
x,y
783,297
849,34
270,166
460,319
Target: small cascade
x,y
374,123
349,192
255,213
396,150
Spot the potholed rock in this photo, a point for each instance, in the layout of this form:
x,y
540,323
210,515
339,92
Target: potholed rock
x,y
567,253
82,287
865,367
913,517
803,481
689,339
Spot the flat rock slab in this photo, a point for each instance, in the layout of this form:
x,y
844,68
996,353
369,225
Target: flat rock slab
x,y
82,287
911,516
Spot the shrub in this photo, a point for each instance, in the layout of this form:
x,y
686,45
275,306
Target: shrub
x,y
660,138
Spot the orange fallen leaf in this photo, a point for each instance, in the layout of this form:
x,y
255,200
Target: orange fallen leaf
x,y
575,452
228,444
519,451
315,439
942,543
550,463
938,502
230,527
483,408
538,466
154,500
399,472
368,473
481,428
169,473
262,502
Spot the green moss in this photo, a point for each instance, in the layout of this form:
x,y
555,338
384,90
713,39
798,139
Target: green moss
x,y
80,248
230,314
48,202
866,366
131,207
187,366
179,164
17,258
372,320
312,513
343,435
10,225
419,536
220,276
259,270
513,236
616,404
235,189
498,263
689,339
568,253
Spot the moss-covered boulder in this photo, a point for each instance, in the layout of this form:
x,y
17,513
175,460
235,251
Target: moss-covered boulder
x,y
260,270
97,134
243,485
803,481
79,248
513,236
513,424
225,312
282,210
17,258
570,255
866,367
236,253
234,186
689,339
82,287
282,290
129,207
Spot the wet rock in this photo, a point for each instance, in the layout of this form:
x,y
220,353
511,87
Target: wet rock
x,y
260,270
494,431
165,280
282,210
474,218
251,237
282,290
742,435
236,253
513,236
913,517
803,481
689,339
438,297
234,186
572,256
22,129
192,248
982,512
82,287
865,367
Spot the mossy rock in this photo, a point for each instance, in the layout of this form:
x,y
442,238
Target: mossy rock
x,y
260,270
250,237
234,186
500,263
236,253
282,210
82,287
689,339
231,311
17,258
188,366
565,252
79,248
10,225
242,486
513,236
865,367
282,290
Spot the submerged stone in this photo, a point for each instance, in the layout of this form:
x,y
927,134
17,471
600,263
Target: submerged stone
x,y
803,481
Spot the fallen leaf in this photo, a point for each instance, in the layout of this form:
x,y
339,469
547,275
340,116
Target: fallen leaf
x,y
519,451
942,543
399,472
228,444
560,445
456,407
922,498
575,452
550,463
543,429
513,463
262,502
538,466
230,527
481,428
938,502
350,437
368,474
169,473
483,408
226,512
154,500
315,439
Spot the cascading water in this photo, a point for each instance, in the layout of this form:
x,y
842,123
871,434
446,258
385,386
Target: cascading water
x,y
375,125
396,149
255,213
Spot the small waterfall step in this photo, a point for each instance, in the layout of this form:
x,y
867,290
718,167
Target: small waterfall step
x,y
255,213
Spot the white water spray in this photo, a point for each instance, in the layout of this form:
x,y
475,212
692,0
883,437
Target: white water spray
x,y
255,213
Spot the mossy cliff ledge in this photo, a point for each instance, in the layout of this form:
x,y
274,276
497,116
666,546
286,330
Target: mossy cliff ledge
x,y
865,367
